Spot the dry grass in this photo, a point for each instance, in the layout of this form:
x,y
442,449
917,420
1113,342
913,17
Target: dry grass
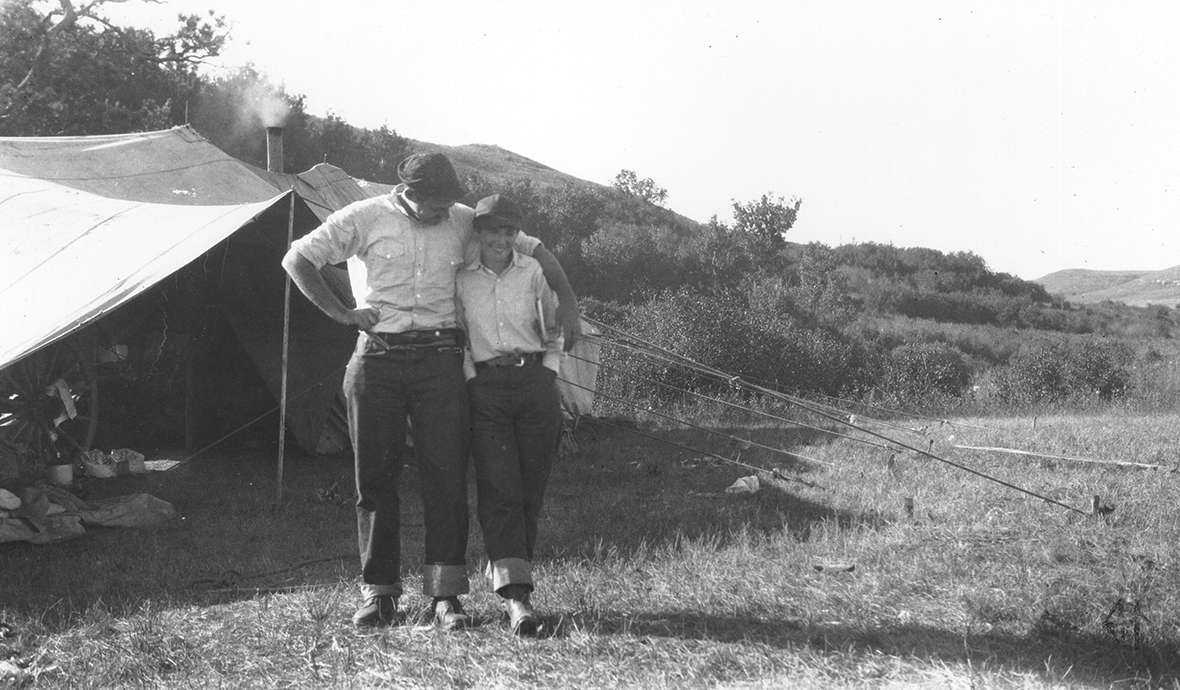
x,y
650,575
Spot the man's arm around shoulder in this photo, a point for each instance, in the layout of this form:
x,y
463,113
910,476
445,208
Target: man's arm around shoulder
x,y
567,301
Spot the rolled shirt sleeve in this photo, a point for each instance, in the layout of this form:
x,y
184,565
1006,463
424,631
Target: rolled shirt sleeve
x,y
335,240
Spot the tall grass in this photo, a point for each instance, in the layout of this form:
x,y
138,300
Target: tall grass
x,y
651,575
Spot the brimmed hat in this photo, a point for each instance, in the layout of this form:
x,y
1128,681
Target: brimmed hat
x,y
431,175
497,210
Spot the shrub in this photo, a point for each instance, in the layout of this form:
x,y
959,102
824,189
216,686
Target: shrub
x,y
920,370
1052,371
723,331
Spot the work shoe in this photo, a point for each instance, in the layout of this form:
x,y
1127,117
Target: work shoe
x,y
449,614
376,611
522,619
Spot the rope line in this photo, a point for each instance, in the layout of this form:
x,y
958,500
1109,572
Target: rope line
x,y
807,405
731,437
677,360
623,333
773,472
262,416
734,405
230,578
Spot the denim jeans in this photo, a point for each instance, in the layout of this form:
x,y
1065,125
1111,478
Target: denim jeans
x,y
516,424
382,387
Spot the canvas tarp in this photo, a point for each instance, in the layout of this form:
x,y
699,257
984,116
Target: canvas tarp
x,y
88,223
72,257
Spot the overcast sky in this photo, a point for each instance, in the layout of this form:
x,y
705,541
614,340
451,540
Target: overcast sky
x,y
1039,135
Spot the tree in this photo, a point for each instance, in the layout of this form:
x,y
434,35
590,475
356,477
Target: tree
x,y
646,189
767,219
68,70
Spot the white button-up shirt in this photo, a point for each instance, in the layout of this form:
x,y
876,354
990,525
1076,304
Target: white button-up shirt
x,y
404,269
509,313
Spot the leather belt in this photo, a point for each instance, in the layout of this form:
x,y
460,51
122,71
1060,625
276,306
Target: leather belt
x,y
515,360
412,340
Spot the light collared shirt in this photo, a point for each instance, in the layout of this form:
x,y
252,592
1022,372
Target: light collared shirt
x,y
509,313
404,269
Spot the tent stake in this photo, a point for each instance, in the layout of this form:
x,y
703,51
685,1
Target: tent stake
x,y
286,348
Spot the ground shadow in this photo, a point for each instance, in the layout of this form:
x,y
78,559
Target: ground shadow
x,y
230,532
623,486
1069,656
233,537
615,488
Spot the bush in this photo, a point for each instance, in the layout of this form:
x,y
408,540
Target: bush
x,y
924,370
722,331
1053,371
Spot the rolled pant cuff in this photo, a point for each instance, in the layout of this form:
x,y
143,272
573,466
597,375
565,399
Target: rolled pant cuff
x,y
444,580
510,571
368,590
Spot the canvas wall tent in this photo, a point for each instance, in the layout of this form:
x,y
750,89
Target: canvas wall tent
x,y
91,222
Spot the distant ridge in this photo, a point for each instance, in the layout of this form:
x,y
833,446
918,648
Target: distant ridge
x,y
498,165
1134,288
1078,281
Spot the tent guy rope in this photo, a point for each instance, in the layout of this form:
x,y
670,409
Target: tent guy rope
x,y
815,409
733,405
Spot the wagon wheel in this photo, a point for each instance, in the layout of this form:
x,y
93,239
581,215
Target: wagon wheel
x,y
49,405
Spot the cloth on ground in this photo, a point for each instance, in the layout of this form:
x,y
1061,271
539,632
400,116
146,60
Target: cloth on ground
x,y
54,514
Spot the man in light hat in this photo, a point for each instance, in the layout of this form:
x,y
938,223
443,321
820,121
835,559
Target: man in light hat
x,y
403,251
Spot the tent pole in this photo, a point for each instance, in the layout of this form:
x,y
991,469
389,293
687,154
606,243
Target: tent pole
x,y
190,410
286,348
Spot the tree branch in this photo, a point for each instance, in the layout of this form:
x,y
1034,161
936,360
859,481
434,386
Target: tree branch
x,y
69,18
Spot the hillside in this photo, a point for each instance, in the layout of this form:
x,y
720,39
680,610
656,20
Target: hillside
x,y
499,169
1078,281
499,166
1134,288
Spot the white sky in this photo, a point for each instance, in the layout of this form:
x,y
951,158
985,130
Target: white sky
x,y
1039,135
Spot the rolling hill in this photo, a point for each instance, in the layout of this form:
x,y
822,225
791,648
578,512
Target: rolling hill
x,y
499,165
1134,288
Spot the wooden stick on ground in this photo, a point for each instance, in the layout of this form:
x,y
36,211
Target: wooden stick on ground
x,y
1065,457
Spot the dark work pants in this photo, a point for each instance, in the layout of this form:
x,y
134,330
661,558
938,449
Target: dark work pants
x,y
516,423
380,388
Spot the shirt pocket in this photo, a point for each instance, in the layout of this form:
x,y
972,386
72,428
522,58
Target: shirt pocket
x,y
388,249
389,262
444,258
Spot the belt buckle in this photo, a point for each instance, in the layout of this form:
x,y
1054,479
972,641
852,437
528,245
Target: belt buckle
x,y
519,360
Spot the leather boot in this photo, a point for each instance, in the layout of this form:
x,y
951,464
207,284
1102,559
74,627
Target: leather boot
x,y
376,611
522,619
449,614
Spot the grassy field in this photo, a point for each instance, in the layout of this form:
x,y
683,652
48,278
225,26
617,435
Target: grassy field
x,y
868,568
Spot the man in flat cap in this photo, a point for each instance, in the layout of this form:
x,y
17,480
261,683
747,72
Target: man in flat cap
x,y
403,251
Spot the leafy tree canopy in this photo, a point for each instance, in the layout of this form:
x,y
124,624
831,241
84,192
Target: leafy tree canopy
x,y
768,218
68,70
628,182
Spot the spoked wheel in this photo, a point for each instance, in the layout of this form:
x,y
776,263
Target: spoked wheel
x,y
49,406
